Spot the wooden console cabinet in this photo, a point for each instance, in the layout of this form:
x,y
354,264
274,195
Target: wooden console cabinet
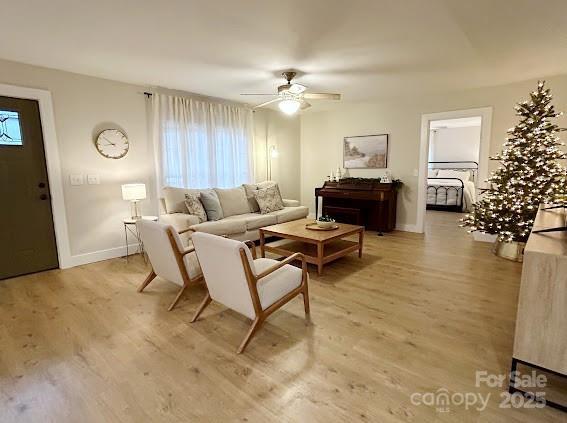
x,y
541,324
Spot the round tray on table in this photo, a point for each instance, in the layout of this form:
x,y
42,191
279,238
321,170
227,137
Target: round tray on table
x,y
314,227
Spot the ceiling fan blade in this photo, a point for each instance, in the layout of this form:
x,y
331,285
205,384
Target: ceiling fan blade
x,y
322,96
297,88
258,94
267,102
305,105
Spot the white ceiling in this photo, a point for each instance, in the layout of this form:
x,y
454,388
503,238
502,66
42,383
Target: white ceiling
x,y
364,49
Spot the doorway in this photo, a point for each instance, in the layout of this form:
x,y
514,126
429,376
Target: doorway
x,y
453,162
27,239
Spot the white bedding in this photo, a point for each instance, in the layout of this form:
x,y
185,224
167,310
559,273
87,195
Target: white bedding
x,y
450,197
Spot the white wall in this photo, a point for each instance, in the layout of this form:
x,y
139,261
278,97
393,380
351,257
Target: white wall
x,y
274,128
455,144
322,133
83,106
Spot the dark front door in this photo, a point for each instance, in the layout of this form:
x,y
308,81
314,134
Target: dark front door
x,y
27,238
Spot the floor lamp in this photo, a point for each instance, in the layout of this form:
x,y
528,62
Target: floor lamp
x,y
273,153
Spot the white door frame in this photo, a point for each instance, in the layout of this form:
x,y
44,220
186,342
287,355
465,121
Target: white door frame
x,y
486,114
53,163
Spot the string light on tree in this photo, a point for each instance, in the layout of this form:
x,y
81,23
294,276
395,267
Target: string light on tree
x,y
528,176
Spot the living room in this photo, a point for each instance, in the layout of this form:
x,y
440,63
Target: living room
x,y
297,134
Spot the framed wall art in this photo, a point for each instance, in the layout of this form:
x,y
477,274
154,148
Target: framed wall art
x,y
366,152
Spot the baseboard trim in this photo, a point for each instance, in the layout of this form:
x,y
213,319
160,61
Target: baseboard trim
x,y
406,228
80,259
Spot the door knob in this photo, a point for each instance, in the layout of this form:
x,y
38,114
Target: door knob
x,y
43,197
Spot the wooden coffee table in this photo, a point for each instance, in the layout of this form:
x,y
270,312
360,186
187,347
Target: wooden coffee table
x,y
319,247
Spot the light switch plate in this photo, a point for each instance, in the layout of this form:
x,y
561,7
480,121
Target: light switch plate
x,y
415,172
77,179
93,179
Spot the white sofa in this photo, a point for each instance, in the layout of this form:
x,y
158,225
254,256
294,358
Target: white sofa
x,y
241,227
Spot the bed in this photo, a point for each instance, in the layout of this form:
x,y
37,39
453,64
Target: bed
x,y
451,186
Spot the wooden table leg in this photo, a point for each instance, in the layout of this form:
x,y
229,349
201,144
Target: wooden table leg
x,y
320,246
360,242
262,242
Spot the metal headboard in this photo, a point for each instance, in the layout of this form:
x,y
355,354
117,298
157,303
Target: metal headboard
x,y
463,166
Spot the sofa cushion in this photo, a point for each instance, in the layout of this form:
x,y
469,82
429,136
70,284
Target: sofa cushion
x,y
250,188
212,205
222,227
179,221
269,199
290,203
255,220
233,201
195,207
288,214
174,198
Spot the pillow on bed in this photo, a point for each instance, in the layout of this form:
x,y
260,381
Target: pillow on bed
x,y
447,173
432,173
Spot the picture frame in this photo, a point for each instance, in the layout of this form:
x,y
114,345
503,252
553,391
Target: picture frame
x,y
365,152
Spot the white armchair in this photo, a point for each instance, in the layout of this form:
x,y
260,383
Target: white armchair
x,y
250,286
168,257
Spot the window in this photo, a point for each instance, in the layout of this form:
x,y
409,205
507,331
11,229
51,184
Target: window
x,y
10,130
203,145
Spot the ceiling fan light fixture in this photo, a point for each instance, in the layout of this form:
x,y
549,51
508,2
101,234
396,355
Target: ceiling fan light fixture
x,y
289,106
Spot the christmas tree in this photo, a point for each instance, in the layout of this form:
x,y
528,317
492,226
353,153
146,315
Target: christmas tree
x,y
529,175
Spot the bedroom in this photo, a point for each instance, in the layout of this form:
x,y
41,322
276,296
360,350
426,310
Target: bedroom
x,y
453,181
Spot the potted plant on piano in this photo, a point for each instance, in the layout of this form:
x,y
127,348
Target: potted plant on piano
x,y
529,175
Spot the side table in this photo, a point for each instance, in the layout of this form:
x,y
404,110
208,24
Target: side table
x,y
131,228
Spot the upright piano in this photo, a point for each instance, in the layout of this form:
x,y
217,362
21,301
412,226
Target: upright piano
x,y
359,201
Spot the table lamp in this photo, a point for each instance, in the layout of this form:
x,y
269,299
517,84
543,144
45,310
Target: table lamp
x,y
134,193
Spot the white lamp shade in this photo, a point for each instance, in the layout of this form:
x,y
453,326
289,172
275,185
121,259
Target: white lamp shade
x,y
274,153
133,192
289,107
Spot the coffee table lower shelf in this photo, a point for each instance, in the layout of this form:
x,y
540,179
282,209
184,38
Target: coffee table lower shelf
x,y
331,251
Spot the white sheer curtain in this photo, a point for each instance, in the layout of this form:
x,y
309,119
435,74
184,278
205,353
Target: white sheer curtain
x,y
201,144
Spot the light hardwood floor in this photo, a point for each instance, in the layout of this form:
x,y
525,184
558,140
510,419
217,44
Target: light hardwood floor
x,y
415,314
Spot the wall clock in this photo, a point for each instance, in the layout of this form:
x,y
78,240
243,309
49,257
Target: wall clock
x,y
112,144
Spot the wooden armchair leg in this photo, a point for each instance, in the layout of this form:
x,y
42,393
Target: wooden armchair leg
x,y
305,292
206,301
150,278
253,329
306,300
177,297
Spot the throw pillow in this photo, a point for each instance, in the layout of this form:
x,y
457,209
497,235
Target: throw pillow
x,y
233,201
252,203
195,207
175,198
269,199
212,205
448,173
250,188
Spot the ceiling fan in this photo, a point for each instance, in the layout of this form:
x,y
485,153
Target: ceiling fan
x,y
291,96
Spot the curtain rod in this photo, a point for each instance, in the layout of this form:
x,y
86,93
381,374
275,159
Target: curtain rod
x,y
148,95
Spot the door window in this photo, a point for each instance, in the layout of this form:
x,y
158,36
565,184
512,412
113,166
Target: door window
x,y
10,130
